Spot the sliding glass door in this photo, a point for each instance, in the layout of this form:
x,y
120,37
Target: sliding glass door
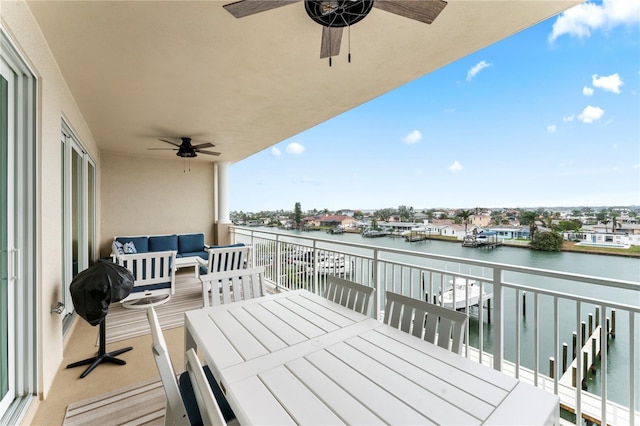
x,y
78,194
7,257
18,274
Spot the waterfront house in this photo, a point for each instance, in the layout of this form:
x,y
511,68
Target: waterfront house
x,y
510,232
603,239
89,88
336,220
456,230
480,220
397,227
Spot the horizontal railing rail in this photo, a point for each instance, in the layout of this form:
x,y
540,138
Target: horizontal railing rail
x,y
500,333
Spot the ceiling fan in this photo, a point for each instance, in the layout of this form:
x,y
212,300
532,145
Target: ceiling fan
x,y
334,15
185,149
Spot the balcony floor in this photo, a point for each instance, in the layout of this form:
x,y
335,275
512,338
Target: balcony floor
x,y
81,343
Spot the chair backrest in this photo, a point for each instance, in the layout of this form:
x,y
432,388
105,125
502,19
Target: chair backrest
x,y
349,294
426,321
232,286
176,413
223,259
207,403
154,274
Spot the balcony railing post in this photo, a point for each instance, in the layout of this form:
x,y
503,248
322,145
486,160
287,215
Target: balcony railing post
x,y
498,311
252,242
278,263
376,283
316,265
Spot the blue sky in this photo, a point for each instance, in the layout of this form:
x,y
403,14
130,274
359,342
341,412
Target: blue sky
x,y
548,117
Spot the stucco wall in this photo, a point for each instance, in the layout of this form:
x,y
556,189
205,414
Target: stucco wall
x,y
142,196
54,103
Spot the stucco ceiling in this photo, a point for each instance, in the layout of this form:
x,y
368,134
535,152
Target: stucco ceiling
x,y
142,70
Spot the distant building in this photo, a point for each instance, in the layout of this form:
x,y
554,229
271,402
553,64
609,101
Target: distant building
x,y
510,232
335,220
601,239
455,230
480,220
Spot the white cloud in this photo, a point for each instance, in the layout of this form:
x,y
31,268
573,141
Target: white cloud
x,y
295,148
413,137
569,118
587,91
610,83
551,128
276,152
476,69
455,167
591,114
580,20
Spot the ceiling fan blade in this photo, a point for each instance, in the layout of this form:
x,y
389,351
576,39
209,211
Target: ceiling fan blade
x,y
162,149
207,152
331,40
424,11
243,8
168,141
204,145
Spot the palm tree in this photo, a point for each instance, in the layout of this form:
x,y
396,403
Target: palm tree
x,y
614,223
464,215
529,218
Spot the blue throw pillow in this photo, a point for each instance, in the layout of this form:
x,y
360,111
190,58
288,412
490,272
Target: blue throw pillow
x,y
117,248
129,248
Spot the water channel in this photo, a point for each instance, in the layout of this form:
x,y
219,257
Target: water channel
x,y
614,267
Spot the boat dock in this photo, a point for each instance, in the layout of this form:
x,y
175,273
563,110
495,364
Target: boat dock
x,y
415,236
481,241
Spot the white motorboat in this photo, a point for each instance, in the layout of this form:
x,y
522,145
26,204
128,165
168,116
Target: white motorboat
x,y
460,285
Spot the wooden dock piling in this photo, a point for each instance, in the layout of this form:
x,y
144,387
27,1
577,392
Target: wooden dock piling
x,y
612,331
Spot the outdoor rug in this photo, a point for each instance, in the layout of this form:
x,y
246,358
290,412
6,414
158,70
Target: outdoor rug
x,y
139,404
127,323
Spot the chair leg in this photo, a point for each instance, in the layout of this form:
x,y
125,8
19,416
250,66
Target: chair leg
x,y
102,356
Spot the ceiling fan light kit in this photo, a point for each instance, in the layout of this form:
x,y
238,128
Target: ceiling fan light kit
x,y
338,13
334,15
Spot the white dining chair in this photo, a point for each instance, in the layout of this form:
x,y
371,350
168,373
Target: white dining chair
x,y
181,407
175,413
233,286
433,323
207,402
350,294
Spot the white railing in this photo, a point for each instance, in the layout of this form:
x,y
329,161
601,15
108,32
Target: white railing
x,y
501,332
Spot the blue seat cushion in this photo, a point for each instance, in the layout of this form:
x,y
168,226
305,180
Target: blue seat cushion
x,y
189,243
141,243
163,243
151,287
202,254
230,245
189,398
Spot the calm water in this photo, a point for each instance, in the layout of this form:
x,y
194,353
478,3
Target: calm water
x,y
614,267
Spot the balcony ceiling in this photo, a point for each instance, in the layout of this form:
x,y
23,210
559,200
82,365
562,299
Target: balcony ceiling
x,y
141,70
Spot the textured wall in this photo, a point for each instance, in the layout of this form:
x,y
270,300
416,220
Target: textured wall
x,y
142,196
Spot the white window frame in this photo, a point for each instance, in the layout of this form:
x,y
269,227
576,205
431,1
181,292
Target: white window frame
x,y
25,300
70,145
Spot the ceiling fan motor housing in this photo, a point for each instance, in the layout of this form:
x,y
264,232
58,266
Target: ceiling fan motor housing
x,y
186,153
338,13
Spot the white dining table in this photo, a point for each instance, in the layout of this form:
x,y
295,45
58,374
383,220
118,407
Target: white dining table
x,y
297,358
